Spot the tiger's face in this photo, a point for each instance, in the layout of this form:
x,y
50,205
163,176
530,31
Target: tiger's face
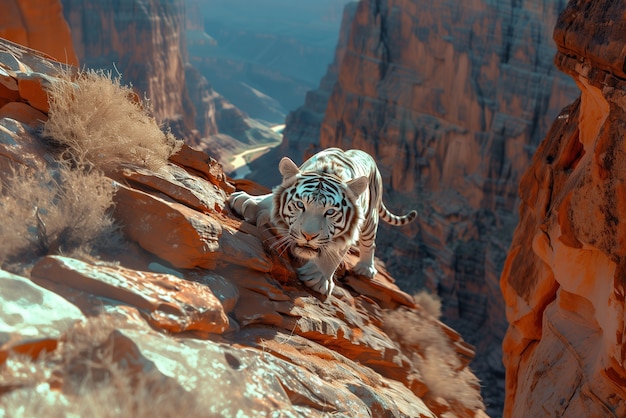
x,y
316,212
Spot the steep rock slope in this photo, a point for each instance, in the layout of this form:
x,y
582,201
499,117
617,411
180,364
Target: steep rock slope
x,y
451,98
564,276
194,314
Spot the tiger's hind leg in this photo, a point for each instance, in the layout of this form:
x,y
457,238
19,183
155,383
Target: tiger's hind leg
x,y
365,266
367,246
254,209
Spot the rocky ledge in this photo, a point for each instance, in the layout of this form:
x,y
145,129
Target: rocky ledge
x,y
191,311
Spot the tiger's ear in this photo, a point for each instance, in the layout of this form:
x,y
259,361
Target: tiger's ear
x,y
288,168
358,185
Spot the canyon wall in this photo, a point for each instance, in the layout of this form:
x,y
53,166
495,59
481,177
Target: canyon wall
x,y
452,99
564,277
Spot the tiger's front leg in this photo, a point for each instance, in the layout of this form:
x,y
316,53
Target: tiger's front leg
x,y
318,273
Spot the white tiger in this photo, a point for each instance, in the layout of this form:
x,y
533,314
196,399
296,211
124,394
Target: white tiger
x,y
334,200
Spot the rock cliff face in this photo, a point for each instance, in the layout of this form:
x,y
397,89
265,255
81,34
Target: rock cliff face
x,y
451,98
563,279
191,311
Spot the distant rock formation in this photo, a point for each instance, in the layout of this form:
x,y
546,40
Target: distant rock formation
x,y
196,315
564,277
144,40
451,98
263,56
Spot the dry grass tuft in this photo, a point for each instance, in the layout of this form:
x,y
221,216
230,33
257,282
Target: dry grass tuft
x,y
431,303
97,120
56,211
435,358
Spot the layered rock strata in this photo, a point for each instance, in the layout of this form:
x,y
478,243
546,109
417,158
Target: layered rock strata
x,y
195,314
563,279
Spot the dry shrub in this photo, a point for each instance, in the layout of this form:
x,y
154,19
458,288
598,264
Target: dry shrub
x,y
431,303
83,378
99,121
56,211
434,356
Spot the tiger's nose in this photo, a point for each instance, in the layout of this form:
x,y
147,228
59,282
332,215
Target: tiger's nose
x,y
309,237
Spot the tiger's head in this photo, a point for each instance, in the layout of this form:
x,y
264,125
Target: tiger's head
x,y
316,212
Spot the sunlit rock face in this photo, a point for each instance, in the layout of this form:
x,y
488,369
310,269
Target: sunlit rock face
x,y
194,313
451,98
563,279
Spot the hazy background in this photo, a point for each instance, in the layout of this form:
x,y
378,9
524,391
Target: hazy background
x,y
263,55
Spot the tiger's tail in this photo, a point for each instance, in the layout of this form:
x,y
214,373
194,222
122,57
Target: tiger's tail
x,y
395,220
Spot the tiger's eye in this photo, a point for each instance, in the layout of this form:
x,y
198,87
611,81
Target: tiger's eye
x,y
329,212
299,204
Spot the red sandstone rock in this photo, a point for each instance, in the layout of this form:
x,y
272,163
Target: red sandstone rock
x,y
32,90
23,112
179,185
32,318
203,164
169,303
198,239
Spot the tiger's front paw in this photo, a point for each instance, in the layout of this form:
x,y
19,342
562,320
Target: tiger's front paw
x,y
363,268
315,279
